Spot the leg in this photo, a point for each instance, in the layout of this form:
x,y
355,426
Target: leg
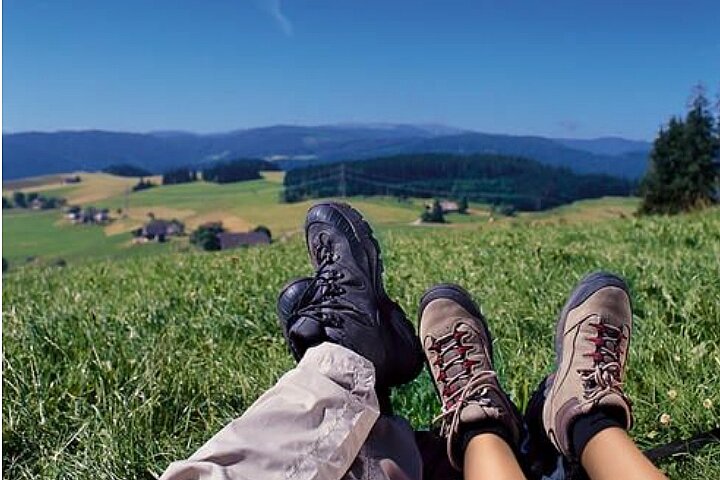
x,y
433,451
490,457
585,409
346,303
391,439
311,424
482,427
329,418
611,454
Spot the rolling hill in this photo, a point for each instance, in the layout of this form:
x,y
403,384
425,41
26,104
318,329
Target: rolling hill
x,y
606,145
44,236
41,153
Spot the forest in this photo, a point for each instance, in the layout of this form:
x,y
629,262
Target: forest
x,y
500,180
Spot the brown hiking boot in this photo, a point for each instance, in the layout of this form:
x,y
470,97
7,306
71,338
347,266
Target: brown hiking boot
x,y
591,345
458,348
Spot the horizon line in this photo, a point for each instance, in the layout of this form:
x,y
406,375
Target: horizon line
x,y
366,125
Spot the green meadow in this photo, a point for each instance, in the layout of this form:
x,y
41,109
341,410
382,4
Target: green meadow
x,y
113,369
45,237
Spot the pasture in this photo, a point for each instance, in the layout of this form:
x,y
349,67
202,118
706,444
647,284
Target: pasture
x,y
114,369
45,237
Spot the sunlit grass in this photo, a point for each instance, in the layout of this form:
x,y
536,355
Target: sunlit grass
x,y
112,370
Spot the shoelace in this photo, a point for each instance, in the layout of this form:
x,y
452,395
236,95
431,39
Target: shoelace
x,y
605,374
470,392
325,308
454,398
475,389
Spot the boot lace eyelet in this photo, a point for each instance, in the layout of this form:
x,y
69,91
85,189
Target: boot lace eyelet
x,y
605,374
328,305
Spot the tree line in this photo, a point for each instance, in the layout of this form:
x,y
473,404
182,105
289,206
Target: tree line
x,y
238,170
499,180
126,170
32,200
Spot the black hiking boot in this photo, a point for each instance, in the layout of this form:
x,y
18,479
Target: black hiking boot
x,y
288,302
345,302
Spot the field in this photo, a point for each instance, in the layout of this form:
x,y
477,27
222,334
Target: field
x,y
45,237
113,369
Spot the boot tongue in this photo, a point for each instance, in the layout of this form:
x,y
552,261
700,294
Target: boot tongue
x,y
619,405
474,412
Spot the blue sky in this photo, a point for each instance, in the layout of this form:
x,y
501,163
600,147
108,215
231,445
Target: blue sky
x,y
557,68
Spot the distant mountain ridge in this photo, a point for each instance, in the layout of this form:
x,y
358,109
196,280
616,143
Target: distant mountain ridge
x,y
39,153
606,145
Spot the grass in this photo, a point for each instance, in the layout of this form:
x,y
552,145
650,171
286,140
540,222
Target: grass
x,y
31,233
256,202
114,369
92,188
583,210
239,206
32,237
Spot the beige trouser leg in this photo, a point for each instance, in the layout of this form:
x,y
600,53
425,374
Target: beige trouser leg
x,y
321,421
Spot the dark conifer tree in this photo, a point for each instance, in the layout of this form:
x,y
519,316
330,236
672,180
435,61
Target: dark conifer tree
x,y
683,170
702,147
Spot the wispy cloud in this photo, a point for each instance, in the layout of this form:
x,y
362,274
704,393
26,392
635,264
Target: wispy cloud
x,y
274,9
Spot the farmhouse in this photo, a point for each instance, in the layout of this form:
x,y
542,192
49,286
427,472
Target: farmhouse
x,y
86,215
72,213
447,206
102,216
159,230
73,179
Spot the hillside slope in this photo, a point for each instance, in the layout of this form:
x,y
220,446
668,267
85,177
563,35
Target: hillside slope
x,y
113,370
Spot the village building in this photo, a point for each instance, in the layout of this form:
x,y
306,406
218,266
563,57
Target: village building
x,y
72,213
102,216
447,206
92,215
159,230
73,179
